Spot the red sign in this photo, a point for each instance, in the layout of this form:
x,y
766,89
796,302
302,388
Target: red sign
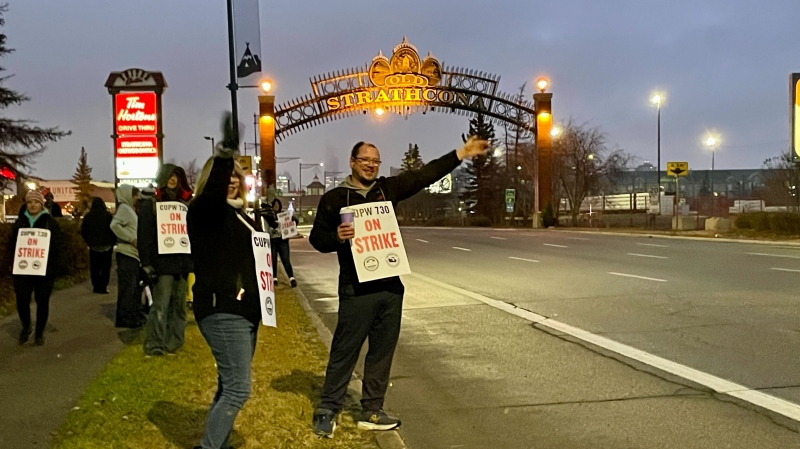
x,y
145,146
6,172
135,113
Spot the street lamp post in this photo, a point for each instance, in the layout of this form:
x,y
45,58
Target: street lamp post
x,y
212,143
657,100
711,143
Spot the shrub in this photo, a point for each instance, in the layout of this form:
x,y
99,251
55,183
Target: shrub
x,y
481,221
777,222
76,255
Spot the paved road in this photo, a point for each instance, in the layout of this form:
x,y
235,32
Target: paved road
x,y
468,374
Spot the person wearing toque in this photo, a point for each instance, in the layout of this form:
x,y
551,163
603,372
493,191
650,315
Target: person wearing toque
x,y
367,308
27,287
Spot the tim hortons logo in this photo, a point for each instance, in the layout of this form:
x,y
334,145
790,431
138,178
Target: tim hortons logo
x,y
135,76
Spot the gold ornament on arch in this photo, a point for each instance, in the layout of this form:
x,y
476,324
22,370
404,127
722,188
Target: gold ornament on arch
x,y
405,68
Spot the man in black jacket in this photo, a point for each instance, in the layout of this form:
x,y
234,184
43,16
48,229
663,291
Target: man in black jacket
x,y
370,308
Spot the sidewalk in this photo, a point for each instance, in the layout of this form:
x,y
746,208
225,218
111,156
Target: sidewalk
x,y
39,385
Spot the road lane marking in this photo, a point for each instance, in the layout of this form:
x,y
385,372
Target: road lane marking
x,y
555,246
524,260
774,255
637,277
423,241
647,255
498,238
785,269
653,244
576,238
461,249
718,384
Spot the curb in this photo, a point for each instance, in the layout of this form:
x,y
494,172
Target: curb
x,y
386,440
684,237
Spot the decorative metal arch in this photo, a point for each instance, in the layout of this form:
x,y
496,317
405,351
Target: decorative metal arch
x,y
404,86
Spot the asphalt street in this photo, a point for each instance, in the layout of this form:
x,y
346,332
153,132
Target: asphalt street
x,y
470,374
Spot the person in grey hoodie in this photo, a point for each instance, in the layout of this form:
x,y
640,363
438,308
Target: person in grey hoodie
x,y
125,225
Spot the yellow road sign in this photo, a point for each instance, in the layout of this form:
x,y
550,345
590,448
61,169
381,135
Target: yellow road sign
x,y
677,168
247,164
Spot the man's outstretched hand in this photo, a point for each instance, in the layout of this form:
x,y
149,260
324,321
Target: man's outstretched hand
x,y
473,147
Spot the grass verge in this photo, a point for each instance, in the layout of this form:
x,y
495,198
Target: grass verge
x,y
162,402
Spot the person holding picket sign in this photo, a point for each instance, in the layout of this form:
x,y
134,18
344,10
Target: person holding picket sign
x,y
233,288
369,308
165,255
36,240
281,227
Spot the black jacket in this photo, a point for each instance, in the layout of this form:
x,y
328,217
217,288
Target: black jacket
x,y
395,189
56,261
222,251
147,232
96,226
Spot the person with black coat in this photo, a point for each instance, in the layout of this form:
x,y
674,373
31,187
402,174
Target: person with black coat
x,y
226,296
38,287
96,232
166,320
278,245
370,308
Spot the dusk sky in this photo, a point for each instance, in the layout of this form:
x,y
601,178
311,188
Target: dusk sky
x,y
724,66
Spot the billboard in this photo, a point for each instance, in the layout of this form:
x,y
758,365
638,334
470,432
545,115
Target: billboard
x,y
136,160
135,113
794,89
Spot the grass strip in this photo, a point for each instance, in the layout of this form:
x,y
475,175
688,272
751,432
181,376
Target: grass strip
x,y
162,402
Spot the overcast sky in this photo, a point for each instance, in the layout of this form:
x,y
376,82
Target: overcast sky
x,y
723,64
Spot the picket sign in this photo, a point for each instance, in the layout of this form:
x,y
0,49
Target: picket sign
x,y
171,228
287,226
378,250
266,292
31,252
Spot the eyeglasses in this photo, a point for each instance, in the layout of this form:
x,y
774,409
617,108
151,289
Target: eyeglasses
x,y
368,161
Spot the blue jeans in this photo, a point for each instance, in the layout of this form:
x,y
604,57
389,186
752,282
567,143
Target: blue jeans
x,y
232,340
166,322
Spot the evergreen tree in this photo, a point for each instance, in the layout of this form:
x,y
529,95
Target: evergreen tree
x,y
20,141
412,159
484,192
82,179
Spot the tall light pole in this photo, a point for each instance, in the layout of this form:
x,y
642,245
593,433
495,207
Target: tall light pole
x,y
233,86
212,143
711,143
658,99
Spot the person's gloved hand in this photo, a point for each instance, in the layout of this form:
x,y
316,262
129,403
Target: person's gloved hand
x,y
150,275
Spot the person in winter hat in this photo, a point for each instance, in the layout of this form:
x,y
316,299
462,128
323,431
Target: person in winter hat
x,y
269,214
38,287
166,321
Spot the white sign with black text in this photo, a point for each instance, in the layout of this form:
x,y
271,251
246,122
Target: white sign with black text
x,y
171,228
31,252
287,226
266,292
377,247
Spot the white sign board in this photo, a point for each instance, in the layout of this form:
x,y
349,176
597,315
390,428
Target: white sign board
x,y
654,193
377,247
266,292
32,251
171,228
287,225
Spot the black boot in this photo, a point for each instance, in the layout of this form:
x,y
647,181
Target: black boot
x,y
24,335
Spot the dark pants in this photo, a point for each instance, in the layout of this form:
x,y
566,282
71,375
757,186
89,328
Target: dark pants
x,y
166,321
375,316
129,295
40,287
100,269
281,247
232,340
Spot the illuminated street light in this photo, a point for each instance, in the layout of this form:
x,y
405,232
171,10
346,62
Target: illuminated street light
x,y
658,99
379,112
542,84
30,185
712,142
266,86
555,132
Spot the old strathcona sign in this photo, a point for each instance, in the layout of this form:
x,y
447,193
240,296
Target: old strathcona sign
x,y
402,84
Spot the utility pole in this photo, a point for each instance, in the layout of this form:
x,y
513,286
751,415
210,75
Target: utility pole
x,y
233,87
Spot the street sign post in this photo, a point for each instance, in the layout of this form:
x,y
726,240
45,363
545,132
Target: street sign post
x,y
510,197
677,169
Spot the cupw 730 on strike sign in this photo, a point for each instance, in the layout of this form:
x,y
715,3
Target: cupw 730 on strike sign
x,y
32,252
377,247
171,228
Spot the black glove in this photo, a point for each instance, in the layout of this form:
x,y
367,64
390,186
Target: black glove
x,y
147,276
